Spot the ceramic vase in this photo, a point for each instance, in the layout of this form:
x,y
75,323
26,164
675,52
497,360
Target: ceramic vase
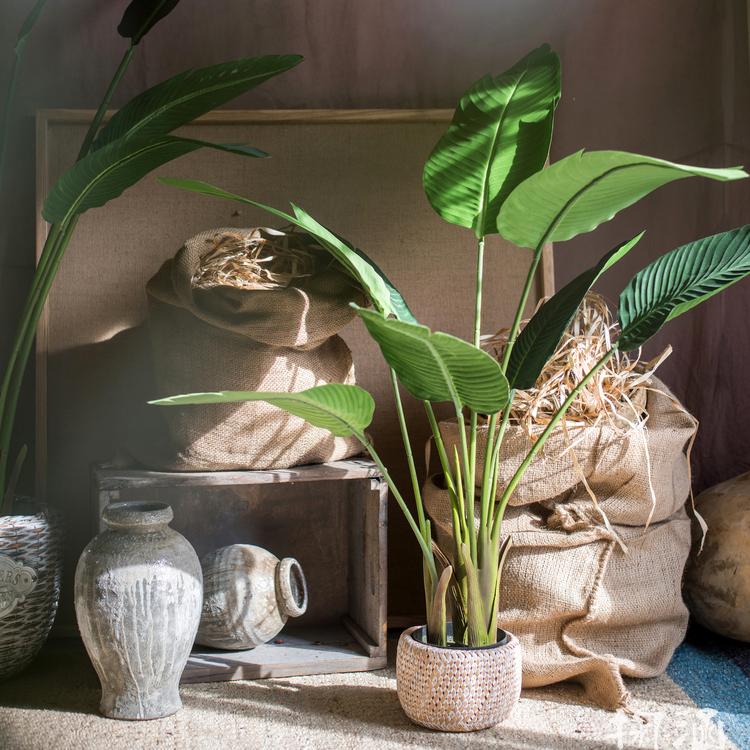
x,y
457,688
138,594
248,595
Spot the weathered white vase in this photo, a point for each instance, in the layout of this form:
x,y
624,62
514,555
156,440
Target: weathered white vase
x,y
138,593
248,595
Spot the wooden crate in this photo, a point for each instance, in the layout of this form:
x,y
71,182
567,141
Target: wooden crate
x,y
331,517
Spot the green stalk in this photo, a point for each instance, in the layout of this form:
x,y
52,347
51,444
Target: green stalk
x,y
473,417
426,548
104,105
409,453
530,277
543,438
26,343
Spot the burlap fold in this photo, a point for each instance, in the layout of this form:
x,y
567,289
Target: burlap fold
x,y
222,338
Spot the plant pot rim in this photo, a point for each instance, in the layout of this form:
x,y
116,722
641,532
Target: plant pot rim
x,y
419,634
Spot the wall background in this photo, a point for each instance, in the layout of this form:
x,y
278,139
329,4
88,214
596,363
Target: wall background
x,y
667,78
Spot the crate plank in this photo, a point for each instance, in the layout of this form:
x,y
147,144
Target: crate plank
x,y
301,651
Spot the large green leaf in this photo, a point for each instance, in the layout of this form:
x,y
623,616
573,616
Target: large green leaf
x,y
680,280
343,409
541,335
179,100
584,190
384,296
499,135
106,173
141,16
437,366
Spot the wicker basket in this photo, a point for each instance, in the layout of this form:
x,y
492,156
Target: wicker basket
x,y
30,573
457,689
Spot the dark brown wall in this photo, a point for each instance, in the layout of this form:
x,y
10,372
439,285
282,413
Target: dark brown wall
x,y
666,78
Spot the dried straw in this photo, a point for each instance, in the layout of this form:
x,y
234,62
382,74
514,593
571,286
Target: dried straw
x,y
617,392
262,258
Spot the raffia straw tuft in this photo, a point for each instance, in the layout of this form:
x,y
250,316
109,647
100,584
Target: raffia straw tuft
x,y
617,392
263,258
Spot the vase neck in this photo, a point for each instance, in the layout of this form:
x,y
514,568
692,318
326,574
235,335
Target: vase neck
x,y
291,588
137,517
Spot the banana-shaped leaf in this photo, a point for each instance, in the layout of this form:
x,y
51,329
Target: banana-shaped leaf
x,y
541,335
106,173
179,100
344,410
680,280
499,135
384,296
580,192
141,16
437,366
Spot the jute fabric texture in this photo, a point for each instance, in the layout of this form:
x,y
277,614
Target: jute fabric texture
x,y
591,600
223,338
455,689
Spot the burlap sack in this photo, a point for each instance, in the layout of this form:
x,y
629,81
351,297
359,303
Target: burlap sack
x,y
224,338
588,602
637,470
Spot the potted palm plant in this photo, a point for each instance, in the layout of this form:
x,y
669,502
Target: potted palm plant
x,y
487,174
113,157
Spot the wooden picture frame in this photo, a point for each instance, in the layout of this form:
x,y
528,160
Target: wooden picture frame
x,y
357,171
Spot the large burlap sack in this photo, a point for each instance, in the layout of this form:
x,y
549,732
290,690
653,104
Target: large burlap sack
x,y
593,601
634,464
224,338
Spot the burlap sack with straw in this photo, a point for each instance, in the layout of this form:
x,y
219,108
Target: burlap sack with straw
x,y
594,593
252,310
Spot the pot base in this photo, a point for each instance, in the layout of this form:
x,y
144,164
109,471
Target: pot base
x,y
457,689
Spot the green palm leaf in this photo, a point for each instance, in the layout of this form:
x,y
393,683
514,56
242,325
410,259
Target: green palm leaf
x,y
384,296
106,173
179,100
680,280
438,366
344,410
541,335
141,16
499,135
580,192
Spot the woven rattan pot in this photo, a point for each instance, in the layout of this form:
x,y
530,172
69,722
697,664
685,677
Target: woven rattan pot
x,y
457,689
30,572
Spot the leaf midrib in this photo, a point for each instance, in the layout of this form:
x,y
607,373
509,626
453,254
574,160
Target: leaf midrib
x,y
576,196
488,164
173,103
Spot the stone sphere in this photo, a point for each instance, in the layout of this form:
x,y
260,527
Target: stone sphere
x,y
717,583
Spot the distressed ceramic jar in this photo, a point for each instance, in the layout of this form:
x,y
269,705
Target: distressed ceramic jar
x,y
138,598
248,595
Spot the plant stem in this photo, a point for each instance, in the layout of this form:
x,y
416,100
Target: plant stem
x,y
104,105
530,277
543,438
409,454
478,292
425,546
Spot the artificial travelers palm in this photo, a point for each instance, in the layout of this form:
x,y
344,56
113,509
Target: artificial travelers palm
x,y
112,158
487,174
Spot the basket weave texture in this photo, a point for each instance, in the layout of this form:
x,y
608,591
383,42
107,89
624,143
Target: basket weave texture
x,y
35,541
457,689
